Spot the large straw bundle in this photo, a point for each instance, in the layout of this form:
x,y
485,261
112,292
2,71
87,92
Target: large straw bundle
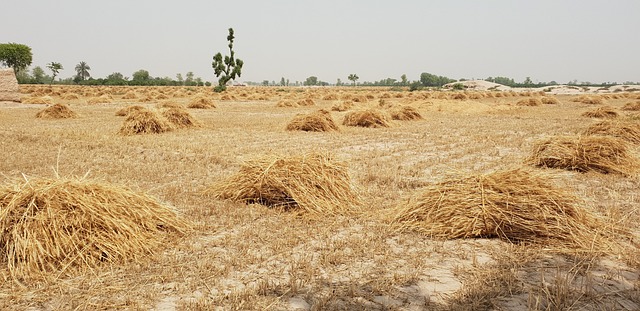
x,y
57,111
201,102
366,118
144,122
601,112
318,121
602,154
180,118
405,113
126,110
517,205
629,131
53,226
313,182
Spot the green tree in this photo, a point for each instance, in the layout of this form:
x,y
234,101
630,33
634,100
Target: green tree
x,y
16,56
55,69
189,79
283,82
353,77
227,69
313,80
428,79
39,76
141,77
82,71
527,81
180,79
115,78
403,77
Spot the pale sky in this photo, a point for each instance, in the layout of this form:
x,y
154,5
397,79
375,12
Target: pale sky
x,y
587,40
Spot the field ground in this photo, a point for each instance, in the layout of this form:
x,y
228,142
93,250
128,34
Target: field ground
x,y
250,257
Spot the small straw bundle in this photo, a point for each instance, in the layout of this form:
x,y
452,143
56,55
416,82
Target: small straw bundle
x,y
601,112
314,182
629,131
549,100
144,122
318,121
631,106
516,205
602,154
342,106
126,110
56,111
366,118
405,113
180,118
62,225
201,102
529,102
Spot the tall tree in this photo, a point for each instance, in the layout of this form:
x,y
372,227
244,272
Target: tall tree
x,y
82,71
16,56
55,69
313,80
353,77
227,69
403,77
38,75
189,79
179,78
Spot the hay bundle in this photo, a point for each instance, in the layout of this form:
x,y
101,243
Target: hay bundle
x,y
405,113
330,96
144,122
43,100
318,121
306,102
629,131
102,99
601,112
57,111
70,96
169,104
201,102
180,118
126,110
342,106
366,118
529,102
459,96
314,182
591,100
66,224
130,95
602,154
549,100
631,106
517,205
286,103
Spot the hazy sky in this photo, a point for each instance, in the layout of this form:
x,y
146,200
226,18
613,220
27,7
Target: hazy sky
x,y
587,40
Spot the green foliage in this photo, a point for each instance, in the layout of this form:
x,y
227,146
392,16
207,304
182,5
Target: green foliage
x,y
403,78
55,69
82,71
502,80
313,80
227,69
353,77
432,80
458,86
16,56
415,86
38,75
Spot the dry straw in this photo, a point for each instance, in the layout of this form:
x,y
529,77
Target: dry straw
x,y
366,118
180,118
57,111
63,225
529,102
318,121
342,106
517,205
126,110
313,182
201,102
602,154
44,100
601,112
631,106
549,100
629,131
144,122
405,113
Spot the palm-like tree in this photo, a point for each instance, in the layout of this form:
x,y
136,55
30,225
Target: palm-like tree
x,y
353,77
82,69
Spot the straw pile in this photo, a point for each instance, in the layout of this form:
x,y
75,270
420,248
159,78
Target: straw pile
x,y
342,106
9,88
130,95
180,118
366,118
549,100
169,104
306,102
201,102
44,100
70,96
631,106
529,102
629,131
516,205
65,225
102,99
602,154
57,111
405,113
591,100
126,110
144,122
318,121
286,103
601,112
313,182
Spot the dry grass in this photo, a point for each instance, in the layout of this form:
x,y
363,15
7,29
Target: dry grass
x,y
43,100
102,99
144,122
533,101
126,110
405,113
627,130
52,226
518,205
546,100
342,106
635,106
56,111
201,102
314,182
318,121
584,153
601,112
180,118
590,100
367,118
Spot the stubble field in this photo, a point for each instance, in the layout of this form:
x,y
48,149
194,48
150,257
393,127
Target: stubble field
x,y
251,257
